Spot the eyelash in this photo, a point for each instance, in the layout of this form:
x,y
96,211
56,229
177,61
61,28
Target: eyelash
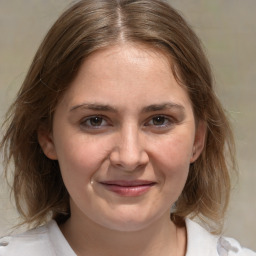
x,y
87,122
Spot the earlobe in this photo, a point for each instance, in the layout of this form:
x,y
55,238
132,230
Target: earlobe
x,y
199,141
47,145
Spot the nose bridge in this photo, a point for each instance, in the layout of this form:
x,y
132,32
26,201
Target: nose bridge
x,y
130,142
130,152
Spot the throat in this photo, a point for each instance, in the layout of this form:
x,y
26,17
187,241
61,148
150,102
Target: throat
x,y
151,241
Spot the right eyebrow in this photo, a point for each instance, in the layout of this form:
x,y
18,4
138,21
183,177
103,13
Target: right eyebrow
x,y
92,106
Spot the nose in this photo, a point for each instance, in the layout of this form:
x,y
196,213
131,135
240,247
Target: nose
x,y
129,152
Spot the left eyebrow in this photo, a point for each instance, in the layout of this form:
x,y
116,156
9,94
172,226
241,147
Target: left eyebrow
x,y
164,106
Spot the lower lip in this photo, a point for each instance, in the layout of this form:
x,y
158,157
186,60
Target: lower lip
x,y
130,191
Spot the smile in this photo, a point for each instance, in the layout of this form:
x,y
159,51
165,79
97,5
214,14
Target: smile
x,y
128,188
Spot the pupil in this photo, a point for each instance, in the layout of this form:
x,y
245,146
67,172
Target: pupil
x,y
159,120
96,121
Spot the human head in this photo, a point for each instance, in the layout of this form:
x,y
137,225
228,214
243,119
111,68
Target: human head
x,y
84,28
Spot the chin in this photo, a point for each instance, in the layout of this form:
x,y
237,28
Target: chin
x,y
129,222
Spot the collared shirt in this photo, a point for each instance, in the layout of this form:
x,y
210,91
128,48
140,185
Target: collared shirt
x,y
49,240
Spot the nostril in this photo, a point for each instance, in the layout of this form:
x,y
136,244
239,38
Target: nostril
x,y
128,161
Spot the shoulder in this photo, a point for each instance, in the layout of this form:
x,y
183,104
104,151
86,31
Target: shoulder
x,y
33,242
229,246
201,242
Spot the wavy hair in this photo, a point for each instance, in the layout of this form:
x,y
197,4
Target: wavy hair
x,y
85,27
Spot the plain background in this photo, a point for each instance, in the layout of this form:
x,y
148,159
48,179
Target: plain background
x,y
228,32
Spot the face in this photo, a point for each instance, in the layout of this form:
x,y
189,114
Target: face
x,y
124,135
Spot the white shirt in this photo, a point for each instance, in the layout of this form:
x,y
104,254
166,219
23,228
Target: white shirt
x,y
49,241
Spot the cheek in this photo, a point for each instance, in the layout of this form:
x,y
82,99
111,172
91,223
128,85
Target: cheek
x,y
79,157
174,152
172,163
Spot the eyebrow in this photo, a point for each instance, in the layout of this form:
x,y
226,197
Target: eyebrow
x,y
163,106
96,107
150,108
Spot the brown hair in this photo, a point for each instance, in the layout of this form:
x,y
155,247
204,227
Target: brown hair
x,y
84,28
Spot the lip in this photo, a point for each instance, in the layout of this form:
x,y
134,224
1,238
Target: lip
x,y
128,188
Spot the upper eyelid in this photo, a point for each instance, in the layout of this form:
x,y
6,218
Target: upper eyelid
x,y
162,115
85,119
110,120
168,118
93,116
107,118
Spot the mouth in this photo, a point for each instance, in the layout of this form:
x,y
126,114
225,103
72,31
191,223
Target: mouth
x,y
128,188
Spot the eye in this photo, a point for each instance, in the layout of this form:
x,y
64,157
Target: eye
x,y
94,122
159,121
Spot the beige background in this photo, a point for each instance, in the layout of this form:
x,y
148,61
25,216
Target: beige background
x,y
228,31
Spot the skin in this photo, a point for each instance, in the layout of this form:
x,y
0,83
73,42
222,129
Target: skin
x,y
124,119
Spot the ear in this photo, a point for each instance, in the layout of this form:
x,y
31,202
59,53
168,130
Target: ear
x,y
46,142
199,141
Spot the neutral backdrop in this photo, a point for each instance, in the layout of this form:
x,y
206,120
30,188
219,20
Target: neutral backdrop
x,y
228,32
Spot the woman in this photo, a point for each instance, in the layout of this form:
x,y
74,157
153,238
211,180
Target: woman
x,y
115,124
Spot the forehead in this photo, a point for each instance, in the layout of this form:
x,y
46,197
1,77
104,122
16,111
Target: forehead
x,y
132,55
127,70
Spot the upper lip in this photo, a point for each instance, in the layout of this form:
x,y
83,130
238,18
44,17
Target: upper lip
x,y
128,183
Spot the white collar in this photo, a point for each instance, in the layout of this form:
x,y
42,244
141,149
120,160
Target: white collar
x,y
200,241
59,242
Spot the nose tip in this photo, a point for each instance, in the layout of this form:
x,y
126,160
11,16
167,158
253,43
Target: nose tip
x,y
129,154
128,161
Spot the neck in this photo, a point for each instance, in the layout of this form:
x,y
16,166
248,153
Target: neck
x,y
160,238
